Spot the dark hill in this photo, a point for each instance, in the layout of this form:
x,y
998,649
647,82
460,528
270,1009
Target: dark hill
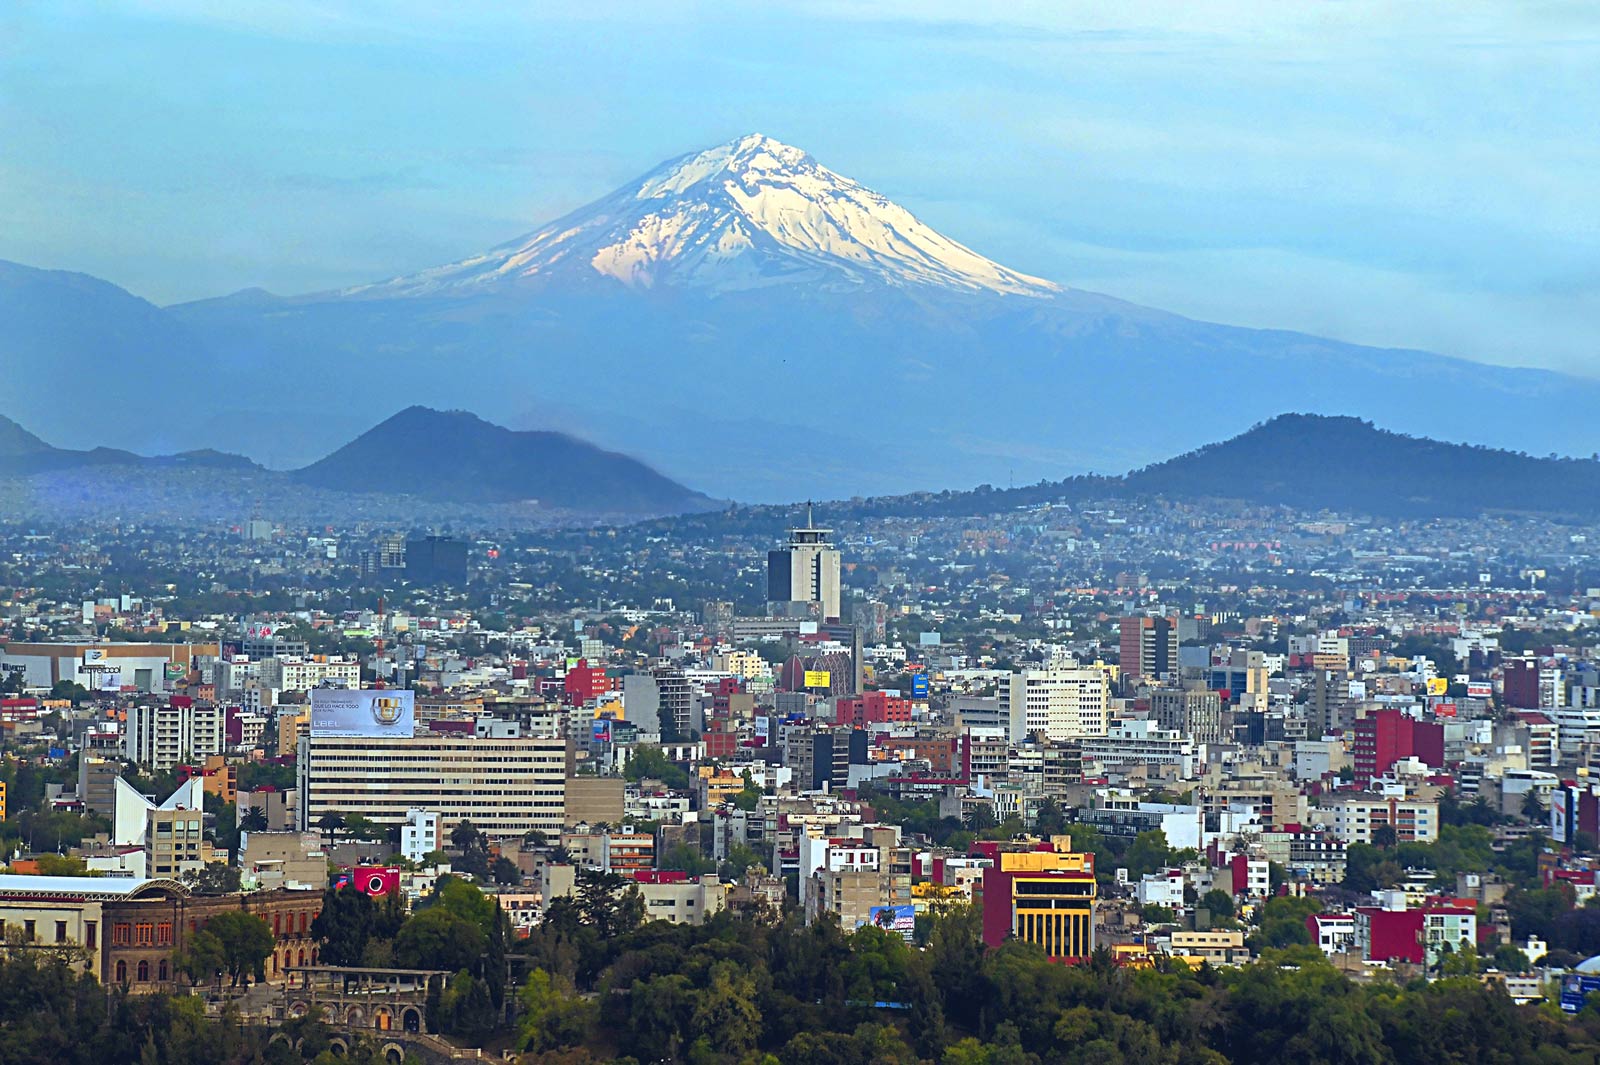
x,y
1331,463
457,457
1310,462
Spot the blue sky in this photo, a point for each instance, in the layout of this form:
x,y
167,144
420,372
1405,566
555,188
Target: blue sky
x,y
1408,174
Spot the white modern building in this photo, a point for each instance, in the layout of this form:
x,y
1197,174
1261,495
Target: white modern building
x,y
1058,704
419,836
161,737
506,786
300,674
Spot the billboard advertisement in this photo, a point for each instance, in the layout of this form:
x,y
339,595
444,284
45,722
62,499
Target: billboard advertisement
x,y
600,730
902,919
1438,686
1575,987
389,714
1561,815
763,731
818,678
1480,689
919,685
375,880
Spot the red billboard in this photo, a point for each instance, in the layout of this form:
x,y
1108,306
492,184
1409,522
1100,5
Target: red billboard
x,y
375,880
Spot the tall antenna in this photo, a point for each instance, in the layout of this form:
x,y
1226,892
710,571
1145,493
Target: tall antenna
x,y
810,521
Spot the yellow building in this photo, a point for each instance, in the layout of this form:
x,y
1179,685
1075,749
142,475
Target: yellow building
x,y
1046,897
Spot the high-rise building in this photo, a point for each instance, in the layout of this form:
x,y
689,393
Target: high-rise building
x,y
1531,683
661,697
1195,713
1149,648
161,737
1057,704
1384,737
1330,695
436,560
505,785
806,570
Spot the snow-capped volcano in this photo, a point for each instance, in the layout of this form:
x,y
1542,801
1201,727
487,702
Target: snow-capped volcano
x,y
745,214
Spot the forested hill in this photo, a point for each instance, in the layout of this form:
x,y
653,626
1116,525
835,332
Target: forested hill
x,y
1308,461
1331,463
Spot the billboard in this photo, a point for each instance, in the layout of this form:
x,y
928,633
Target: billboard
x,y
1438,686
1561,815
1575,987
1444,708
375,880
902,919
919,685
389,714
1480,689
600,730
763,731
818,678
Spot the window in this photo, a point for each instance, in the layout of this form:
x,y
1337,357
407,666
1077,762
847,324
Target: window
x,y
144,935
162,972
122,972
61,931
164,934
28,931
144,972
89,928
121,934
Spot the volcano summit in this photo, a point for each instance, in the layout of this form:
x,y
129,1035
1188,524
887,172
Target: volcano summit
x,y
753,324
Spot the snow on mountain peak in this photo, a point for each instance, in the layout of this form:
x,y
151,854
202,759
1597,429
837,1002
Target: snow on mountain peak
x,y
745,214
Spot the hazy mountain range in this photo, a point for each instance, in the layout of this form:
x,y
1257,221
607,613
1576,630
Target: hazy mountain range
x,y
453,466
752,324
432,456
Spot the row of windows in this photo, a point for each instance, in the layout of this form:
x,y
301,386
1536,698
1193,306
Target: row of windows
x,y
30,931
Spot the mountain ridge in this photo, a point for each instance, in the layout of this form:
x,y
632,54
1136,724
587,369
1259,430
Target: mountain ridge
x,y
456,456
743,373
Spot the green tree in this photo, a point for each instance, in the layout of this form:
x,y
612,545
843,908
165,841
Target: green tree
x,y
1283,922
551,1014
1219,902
1147,854
725,1013
344,925
214,878
246,943
439,939
647,761
203,958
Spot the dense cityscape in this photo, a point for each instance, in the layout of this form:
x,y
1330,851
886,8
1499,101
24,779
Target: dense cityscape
x,y
539,533
434,787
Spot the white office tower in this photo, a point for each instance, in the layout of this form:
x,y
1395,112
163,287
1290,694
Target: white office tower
x,y
806,570
1058,704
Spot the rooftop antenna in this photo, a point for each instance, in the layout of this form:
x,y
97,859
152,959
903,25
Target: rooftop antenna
x,y
810,522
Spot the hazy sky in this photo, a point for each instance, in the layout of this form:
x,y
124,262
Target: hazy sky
x,y
1403,174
